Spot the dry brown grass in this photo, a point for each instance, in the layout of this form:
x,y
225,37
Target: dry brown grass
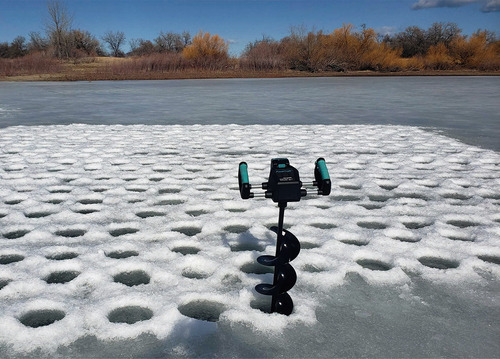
x,y
105,68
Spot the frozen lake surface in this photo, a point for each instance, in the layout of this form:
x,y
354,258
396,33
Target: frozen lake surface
x,y
133,240
463,107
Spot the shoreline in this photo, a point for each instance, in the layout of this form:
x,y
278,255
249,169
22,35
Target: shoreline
x,y
228,74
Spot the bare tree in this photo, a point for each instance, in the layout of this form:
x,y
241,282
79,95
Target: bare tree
x,y
37,42
115,41
58,27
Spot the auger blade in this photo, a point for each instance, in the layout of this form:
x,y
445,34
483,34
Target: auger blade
x,y
286,279
283,304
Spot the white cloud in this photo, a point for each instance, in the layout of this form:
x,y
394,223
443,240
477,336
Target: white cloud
x,y
487,5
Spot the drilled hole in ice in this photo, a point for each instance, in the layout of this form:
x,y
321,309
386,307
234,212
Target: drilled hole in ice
x,y
309,245
16,234
4,282
37,214
373,264
86,210
60,190
322,225
41,317
379,197
61,277
236,210
263,303
161,170
55,201
12,202
132,278
355,242
350,186
169,190
246,246
70,233
438,263
169,202
62,256
90,201
100,189
236,228
456,195
256,268
412,195
10,258
196,213
156,179
462,223
371,225
148,214
416,224
188,230
345,198
202,310
185,250
122,254
123,231
130,314
490,258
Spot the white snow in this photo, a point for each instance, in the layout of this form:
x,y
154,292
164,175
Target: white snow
x,y
145,224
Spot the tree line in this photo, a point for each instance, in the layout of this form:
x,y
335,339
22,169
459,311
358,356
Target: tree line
x,y
440,47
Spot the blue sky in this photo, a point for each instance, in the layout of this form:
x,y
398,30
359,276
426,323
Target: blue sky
x,y
243,21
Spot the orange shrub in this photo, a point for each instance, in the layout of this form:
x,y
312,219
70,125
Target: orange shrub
x,y
207,51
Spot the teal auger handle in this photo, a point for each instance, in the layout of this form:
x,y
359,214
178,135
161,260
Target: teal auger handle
x,y
322,169
322,177
243,181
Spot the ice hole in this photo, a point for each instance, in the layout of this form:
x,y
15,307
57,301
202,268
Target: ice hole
x,y
256,268
355,242
13,201
350,186
4,282
122,254
416,224
185,250
379,198
62,256
148,214
123,231
100,189
169,190
196,213
41,317
188,230
90,201
156,179
136,189
371,225
456,195
161,170
412,195
490,258
263,303
439,263
60,190
371,206
462,223
374,264
61,277
37,214
10,258
169,202
246,246
236,228
86,210
388,187
130,314
236,210
132,278
16,234
322,225
309,245
70,233
202,310
54,201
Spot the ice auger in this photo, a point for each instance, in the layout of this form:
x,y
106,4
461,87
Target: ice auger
x,y
283,186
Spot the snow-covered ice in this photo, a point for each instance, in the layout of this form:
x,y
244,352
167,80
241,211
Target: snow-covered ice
x,y
113,236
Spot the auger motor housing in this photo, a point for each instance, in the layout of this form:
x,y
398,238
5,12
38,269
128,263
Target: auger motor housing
x,y
283,186
284,183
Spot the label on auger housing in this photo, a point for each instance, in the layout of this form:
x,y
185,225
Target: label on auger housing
x,y
284,183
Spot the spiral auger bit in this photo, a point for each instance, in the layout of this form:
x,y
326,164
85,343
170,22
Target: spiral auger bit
x,y
283,186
